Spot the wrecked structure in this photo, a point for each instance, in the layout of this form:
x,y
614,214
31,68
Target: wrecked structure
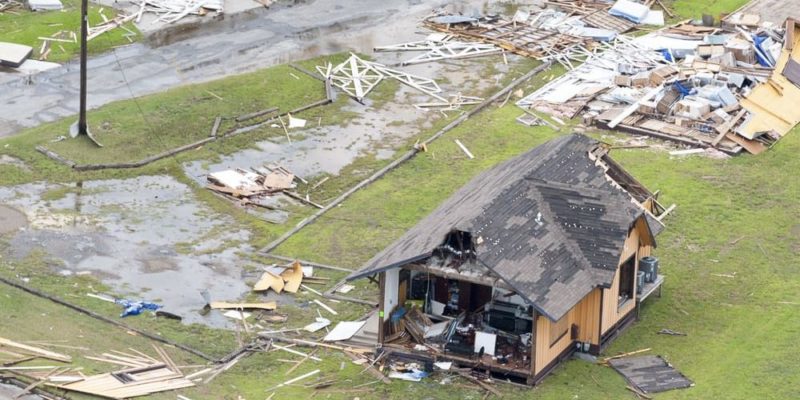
x,y
697,85
530,261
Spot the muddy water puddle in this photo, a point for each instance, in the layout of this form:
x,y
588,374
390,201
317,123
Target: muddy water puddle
x,y
378,131
146,237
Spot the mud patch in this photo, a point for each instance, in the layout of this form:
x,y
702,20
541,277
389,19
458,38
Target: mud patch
x,y
6,159
158,265
11,219
128,234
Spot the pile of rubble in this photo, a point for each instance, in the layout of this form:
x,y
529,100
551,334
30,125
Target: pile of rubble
x,y
170,11
564,32
9,6
141,375
357,77
699,85
258,186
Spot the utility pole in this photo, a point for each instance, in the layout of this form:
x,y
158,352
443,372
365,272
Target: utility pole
x,y
82,127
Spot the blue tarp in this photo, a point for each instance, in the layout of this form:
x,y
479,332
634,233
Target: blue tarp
x,y
684,91
135,307
758,40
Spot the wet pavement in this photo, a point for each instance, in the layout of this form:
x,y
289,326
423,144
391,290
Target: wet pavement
x,y
231,46
12,392
146,237
11,219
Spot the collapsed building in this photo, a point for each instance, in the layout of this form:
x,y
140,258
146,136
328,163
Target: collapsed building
x,y
543,255
729,87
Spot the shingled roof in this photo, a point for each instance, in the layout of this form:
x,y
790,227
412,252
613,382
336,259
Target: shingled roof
x,y
552,261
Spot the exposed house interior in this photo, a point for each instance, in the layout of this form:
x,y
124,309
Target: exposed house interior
x,y
524,265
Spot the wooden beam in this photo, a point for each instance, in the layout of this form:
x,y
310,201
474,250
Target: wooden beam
x,y
724,128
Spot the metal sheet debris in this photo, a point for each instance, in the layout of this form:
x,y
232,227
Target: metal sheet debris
x,y
44,5
344,330
13,55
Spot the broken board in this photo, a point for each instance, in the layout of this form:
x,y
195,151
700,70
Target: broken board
x,y
223,305
293,276
13,55
269,281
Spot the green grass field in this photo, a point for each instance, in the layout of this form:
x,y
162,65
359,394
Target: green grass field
x,y
736,217
25,27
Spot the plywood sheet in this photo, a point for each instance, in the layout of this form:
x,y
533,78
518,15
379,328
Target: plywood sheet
x,y
293,276
344,330
223,305
773,110
269,281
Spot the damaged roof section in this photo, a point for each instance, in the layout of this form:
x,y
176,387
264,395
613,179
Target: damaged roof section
x,y
550,223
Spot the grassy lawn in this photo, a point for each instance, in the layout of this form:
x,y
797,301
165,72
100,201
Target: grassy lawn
x,y
26,27
735,217
695,9
738,328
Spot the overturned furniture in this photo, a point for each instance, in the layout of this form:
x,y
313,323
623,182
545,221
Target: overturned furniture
x,y
528,262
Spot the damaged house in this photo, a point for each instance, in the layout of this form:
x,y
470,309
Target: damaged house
x,y
532,260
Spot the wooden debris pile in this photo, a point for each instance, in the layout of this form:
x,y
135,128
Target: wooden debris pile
x,y
564,31
171,11
702,86
145,375
20,352
110,24
142,374
518,37
357,78
257,186
440,46
9,6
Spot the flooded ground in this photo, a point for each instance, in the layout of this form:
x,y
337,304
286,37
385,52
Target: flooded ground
x,y
147,237
281,35
13,392
11,219
377,131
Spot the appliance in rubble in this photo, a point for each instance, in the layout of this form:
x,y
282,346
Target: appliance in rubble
x,y
508,317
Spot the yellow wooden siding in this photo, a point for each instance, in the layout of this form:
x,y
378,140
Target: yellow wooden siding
x,y
544,352
611,312
585,315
